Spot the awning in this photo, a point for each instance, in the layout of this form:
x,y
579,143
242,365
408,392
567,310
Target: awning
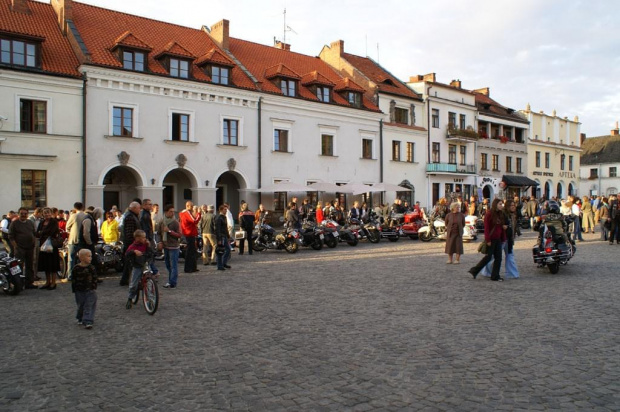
x,y
511,180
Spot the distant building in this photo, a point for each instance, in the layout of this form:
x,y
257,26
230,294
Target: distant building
x,y
600,163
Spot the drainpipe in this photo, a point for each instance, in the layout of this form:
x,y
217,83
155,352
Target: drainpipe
x,y
260,158
84,82
429,191
380,158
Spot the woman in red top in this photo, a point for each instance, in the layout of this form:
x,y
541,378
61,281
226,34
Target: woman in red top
x,y
319,212
494,235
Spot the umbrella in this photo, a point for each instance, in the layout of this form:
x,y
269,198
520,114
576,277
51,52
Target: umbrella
x,y
388,187
324,187
285,187
356,188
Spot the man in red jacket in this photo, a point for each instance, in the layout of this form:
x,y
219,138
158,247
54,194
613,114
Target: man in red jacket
x,y
189,228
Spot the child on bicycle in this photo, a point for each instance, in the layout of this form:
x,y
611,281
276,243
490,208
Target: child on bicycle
x,y
84,285
138,254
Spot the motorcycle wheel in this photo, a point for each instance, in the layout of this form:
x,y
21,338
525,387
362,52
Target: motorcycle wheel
x,y
331,242
257,246
374,236
393,238
353,242
62,272
317,245
291,246
553,268
425,236
14,286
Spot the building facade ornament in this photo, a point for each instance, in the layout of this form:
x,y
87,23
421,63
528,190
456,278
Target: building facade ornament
x,y
231,163
412,110
392,111
181,160
123,158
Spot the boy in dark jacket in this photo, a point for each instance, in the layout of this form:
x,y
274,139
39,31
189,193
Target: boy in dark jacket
x,y
138,254
84,285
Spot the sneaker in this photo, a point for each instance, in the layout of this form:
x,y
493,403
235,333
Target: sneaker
x,y
128,304
79,323
167,285
88,326
498,280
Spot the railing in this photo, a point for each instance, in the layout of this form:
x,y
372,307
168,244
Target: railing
x,y
450,168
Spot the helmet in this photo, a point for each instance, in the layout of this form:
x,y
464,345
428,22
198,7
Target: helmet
x,y
553,207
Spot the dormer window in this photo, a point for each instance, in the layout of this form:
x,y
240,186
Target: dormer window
x,y
355,99
134,60
220,75
288,87
19,53
179,68
323,93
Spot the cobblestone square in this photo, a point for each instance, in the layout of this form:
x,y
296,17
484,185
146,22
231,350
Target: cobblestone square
x,y
373,327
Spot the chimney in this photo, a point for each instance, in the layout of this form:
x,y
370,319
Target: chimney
x,y
338,47
20,6
429,77
616,131
219,33
456,83
583,138
485,90
416,78
64,11
282,46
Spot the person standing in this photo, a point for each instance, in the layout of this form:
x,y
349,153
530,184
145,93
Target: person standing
x,y
604,219
260,215
576,211
530,210
109,229
230,222
169,230
189,228
207,230
49,262
319,212
74,227
588,215
292,217
146,224
4,226
221,234
22,237
494,236
614,215
455,222
246,222
130,224
36,218
84,285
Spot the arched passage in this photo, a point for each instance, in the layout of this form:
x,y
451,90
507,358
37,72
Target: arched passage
x,y
120,187
228,185
487,192
547,190
560,191
177,187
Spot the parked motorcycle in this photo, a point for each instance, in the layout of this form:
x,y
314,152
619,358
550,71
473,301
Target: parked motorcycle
x,y
344,234
412,223
109,256
365,230
436,228
390,228
312,235
553,249
12,277
330,234
265,237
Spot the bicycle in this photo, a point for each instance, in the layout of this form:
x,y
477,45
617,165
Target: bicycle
x,y
150,292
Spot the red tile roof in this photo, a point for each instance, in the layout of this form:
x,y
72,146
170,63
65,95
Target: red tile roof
x,y
215,56
100,28
347,84
386,82
57,57
280,70
129,40
486,105
258,58
316,78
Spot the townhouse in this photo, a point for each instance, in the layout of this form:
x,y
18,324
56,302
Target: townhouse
x,y
599,165
41,110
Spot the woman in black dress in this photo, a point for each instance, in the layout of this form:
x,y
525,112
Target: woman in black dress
x,y
49,262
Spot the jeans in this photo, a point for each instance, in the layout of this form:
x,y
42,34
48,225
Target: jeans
x,y
494,252
604,231
577,228
191,255
87,304
136,276
511,265
171,257
223,259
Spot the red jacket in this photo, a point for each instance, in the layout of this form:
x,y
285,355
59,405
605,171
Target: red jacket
x,y
498,232
189,223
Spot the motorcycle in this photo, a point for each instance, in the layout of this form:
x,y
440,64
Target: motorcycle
x,y
312,235
265,238
365,230
436,228
389,229
12,277
109,256
552,250
344,234
412,223
330,234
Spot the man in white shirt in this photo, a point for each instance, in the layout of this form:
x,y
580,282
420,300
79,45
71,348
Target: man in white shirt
x,y
231,225
4,226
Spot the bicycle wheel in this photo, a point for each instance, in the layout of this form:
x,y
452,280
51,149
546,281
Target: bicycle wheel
x,y
137,297
150,296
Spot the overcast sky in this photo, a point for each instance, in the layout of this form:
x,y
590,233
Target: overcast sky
x,y
562,55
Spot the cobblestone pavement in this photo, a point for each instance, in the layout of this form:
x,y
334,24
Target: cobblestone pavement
x,y
373,327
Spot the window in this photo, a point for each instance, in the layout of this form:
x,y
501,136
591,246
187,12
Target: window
x,y
452,154
452,119
547,160
280,140
612,172
220,75
18,53
322,93
179,68
180,127
355,99
509,164
133,60
463,155
33,116
231,132
562,161
462,121
396,150
288,87
435,153
401,115
435,118
593,173
367,148
122,122
279,201
410,152
484,161
495,160
34,188
537,159
519,165
327,145
570,163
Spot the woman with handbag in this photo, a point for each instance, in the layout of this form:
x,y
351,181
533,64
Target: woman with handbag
x,y
494,237
49,261
246,222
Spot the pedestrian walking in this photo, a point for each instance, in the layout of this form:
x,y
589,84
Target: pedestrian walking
x,y
494,236
22,237
84,286
455,222
169,230
511,219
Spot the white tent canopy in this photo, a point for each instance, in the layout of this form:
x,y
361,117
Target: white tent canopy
x,y
285,187
356,188
324,187
388,187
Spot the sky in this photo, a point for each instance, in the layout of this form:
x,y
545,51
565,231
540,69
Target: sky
x,y
554,55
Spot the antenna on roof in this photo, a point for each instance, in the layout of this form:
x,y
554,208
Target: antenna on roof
x,y
286,28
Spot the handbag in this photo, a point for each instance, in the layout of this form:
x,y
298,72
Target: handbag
x,y
220,249
483,247
240,234
47,246
58,241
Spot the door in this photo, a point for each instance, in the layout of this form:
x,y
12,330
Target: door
x,y
110,199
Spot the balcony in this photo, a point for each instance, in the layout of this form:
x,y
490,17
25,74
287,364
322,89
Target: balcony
x,y
455,134
450,168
